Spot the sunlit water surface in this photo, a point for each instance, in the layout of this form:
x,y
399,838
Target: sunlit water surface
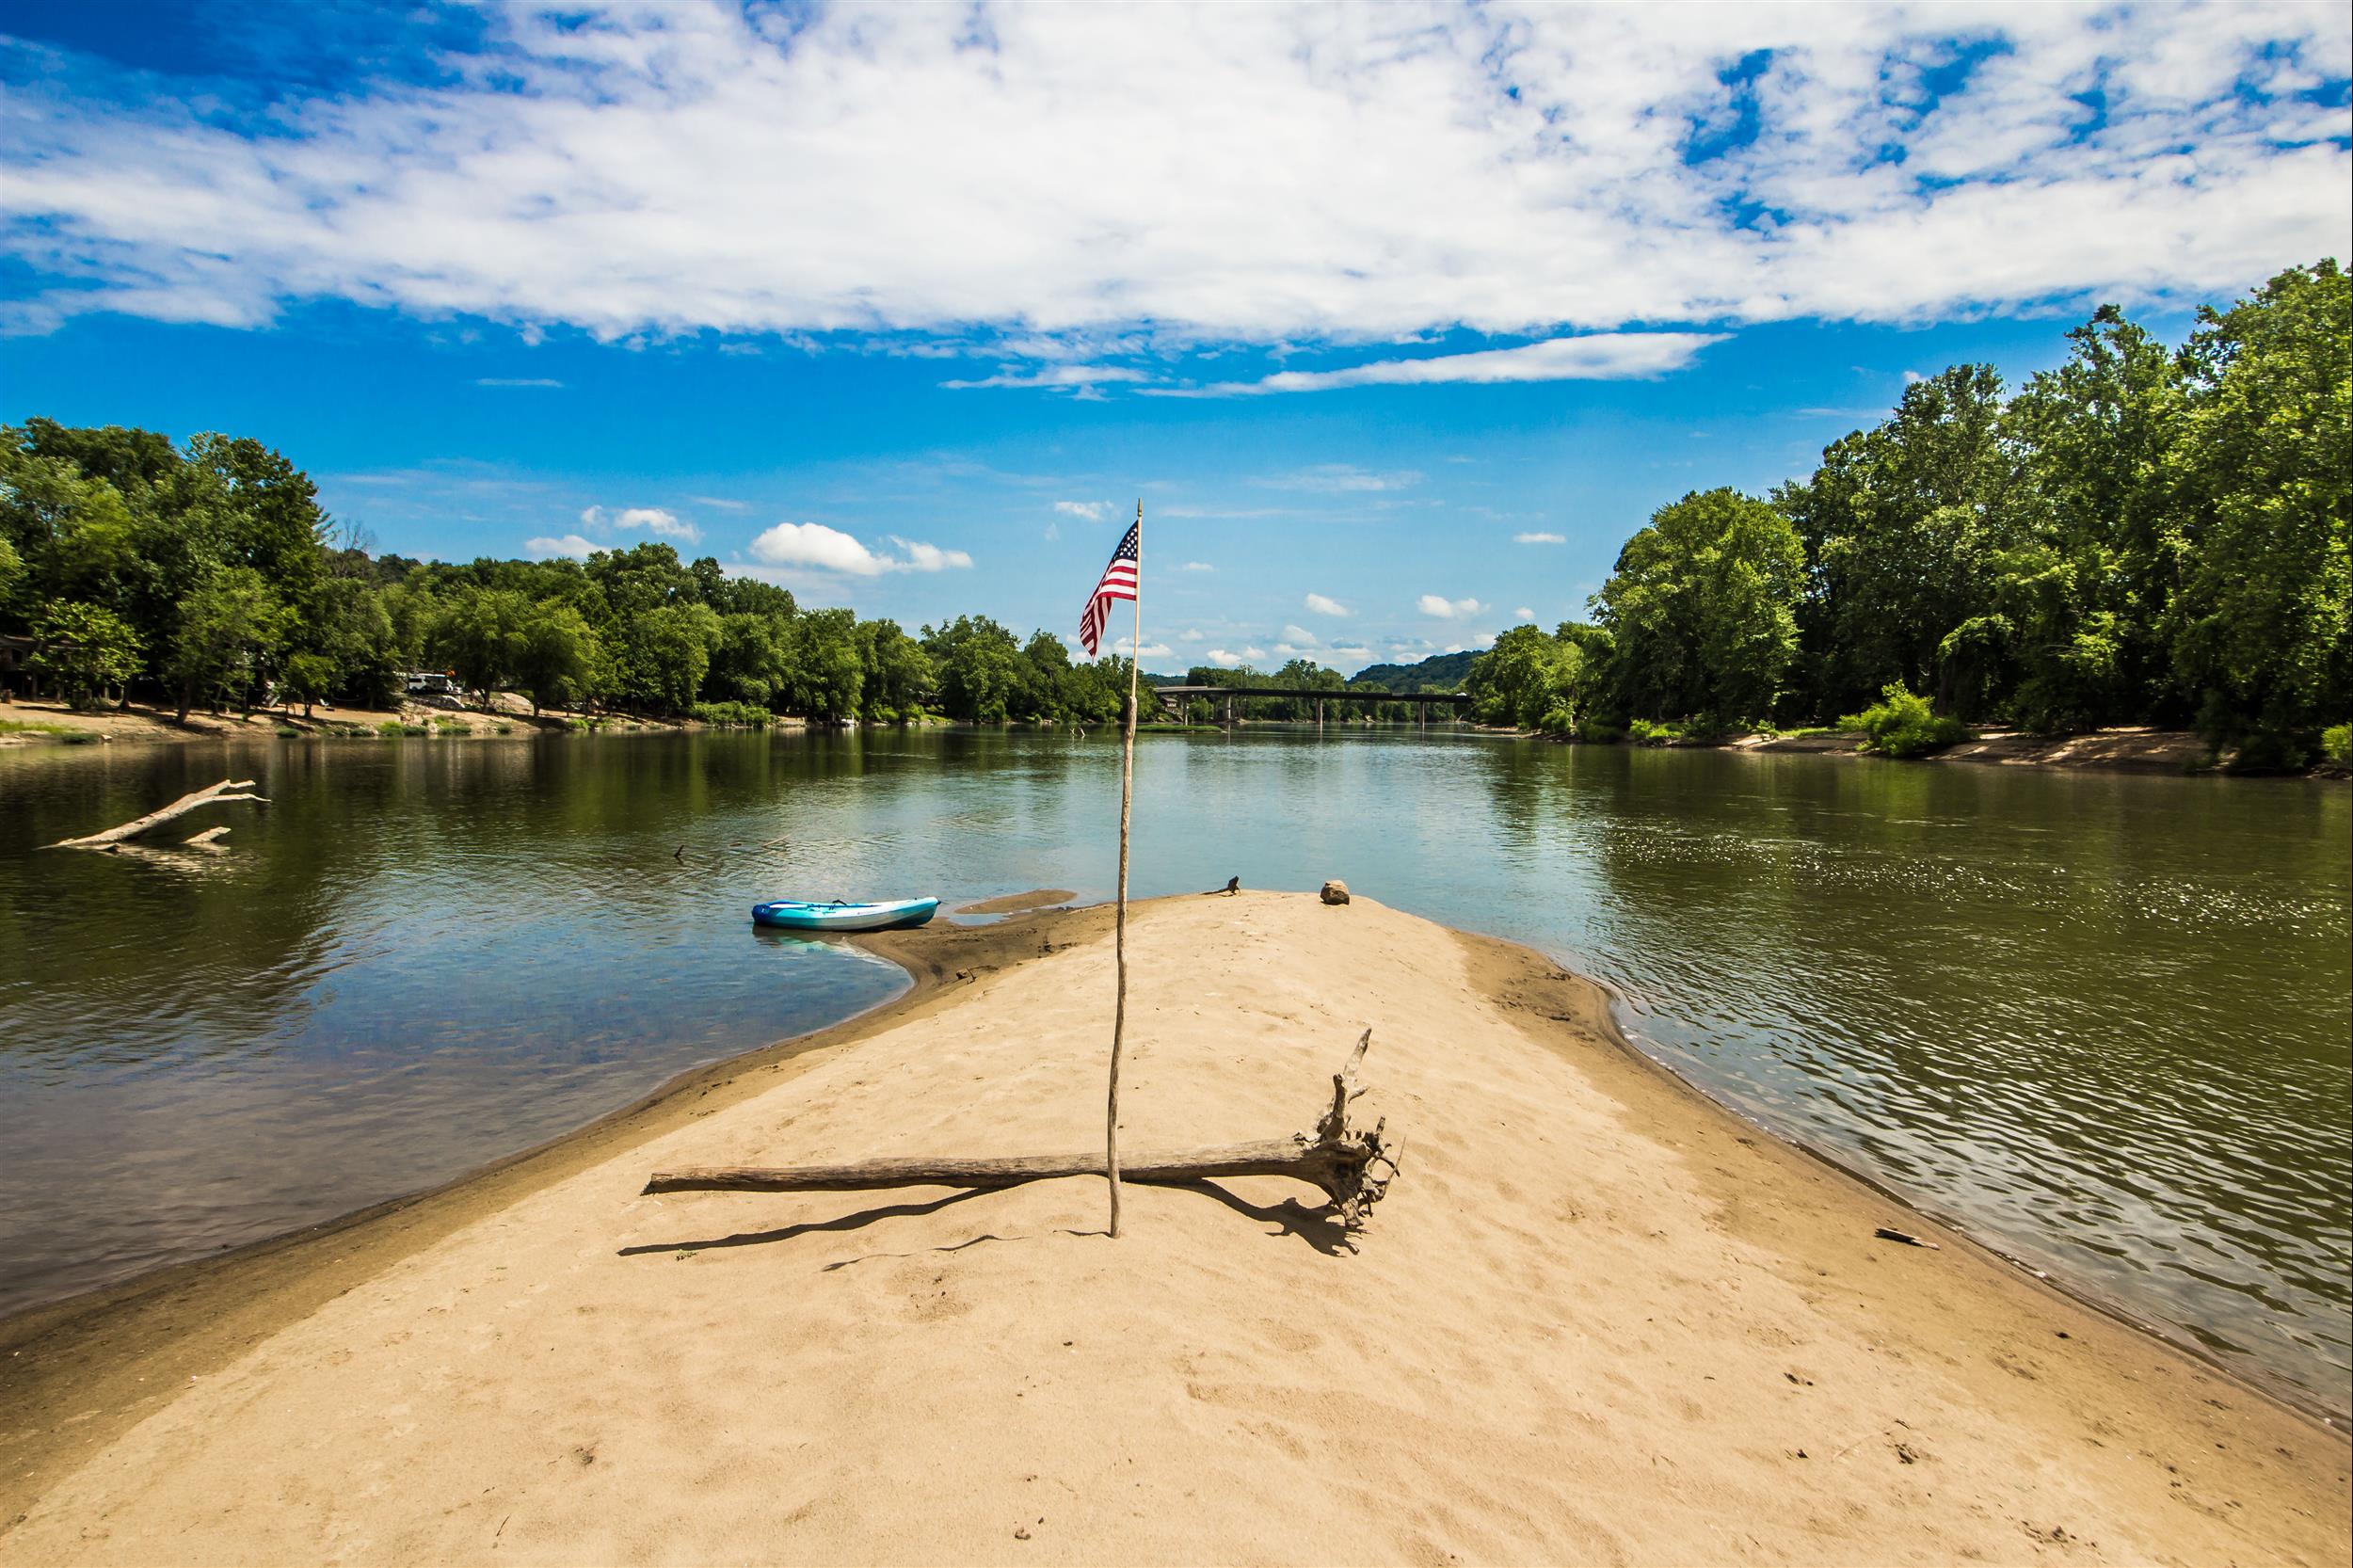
x,y
2101,1020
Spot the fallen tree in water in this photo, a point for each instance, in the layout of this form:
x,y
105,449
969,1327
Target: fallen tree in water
x,y
1354,1168
212,794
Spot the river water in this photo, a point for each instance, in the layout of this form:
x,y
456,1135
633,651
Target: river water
x,y
2101,1020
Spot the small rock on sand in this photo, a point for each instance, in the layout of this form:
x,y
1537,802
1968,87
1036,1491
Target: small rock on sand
x,y
1336,892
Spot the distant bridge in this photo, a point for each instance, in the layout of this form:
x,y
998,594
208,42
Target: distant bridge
x,y
1174,698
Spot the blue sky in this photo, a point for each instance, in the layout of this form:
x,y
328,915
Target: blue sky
x,y
1396,320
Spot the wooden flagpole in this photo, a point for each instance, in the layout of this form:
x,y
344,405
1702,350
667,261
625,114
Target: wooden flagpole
x,y
1127,802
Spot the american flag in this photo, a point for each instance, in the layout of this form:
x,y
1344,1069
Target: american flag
x,y
1119,582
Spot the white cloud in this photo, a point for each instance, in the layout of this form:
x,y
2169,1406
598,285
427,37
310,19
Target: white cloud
x,y
1192,566
1340,479
1151,650
1523,612
641,520
1072,378
1092,511
515,381
1299,636
1540,539
929,557
1324,606
1275,175
1439,608
814,547
568,544
1223,660
1190,634
1595,357
721,503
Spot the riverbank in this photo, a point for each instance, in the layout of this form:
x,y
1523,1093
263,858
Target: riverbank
x,y
1596,1318
2131,750
24,723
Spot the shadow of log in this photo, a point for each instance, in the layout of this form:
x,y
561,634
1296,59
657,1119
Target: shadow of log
x,y
857,1220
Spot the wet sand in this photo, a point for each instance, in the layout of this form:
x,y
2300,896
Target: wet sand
x,y
1598,1318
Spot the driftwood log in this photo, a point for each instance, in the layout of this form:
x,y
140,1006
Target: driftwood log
x,y
212,794
1352,1167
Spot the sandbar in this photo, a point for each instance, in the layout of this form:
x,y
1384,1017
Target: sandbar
x,y
1597,1319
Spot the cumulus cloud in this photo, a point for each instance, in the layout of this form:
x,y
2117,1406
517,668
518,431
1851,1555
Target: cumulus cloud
x,y
1298,637
1523,612
1278,175
1190,634
1092,511
566,544
1540,539
641,520
814,547
1324,606
1440,608
929,557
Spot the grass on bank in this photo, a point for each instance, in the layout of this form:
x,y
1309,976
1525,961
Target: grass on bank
x,y
73,735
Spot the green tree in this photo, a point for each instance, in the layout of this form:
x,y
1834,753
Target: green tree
x,y
749,663
1703,608
480,634
340,644
309,679
1528,679
2080,598
269,518
1900,526
85,649
828,671
898,673
230,631
2264,470
557,657
662,656
978,664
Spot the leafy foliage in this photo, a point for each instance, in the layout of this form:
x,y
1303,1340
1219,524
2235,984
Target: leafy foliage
x,y
85,649
2135,537
1903,725
204,573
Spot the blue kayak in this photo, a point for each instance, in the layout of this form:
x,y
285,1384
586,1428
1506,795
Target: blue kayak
x,y
795,915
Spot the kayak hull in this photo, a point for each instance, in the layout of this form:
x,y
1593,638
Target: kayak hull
x,y
795,915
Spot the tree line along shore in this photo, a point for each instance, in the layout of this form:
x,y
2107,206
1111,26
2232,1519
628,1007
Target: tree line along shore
x,y
2140,537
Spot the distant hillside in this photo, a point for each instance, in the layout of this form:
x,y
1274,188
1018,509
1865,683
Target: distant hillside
x,y
1446,671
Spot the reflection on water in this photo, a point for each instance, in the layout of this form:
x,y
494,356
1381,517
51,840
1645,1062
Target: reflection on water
x,y
2101,1019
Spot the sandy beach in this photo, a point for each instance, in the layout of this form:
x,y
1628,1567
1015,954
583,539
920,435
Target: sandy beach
x,y
1596,1320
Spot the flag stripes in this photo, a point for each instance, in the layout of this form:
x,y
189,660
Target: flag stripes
x,y
1118,583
